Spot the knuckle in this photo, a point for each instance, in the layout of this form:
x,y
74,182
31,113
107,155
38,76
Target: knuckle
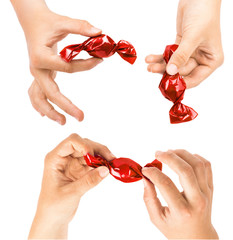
x,y
30,91
73,136
84,23
207,164
220,59
146,199
48,157
167,154
68,68
90,181
35,59
202,204
52,93
105,148
182,57
199,164
185,212
180,151
165,181
187,171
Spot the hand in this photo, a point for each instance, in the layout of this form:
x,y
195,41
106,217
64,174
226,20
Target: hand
x,y
43,29
66,178
188,215
199,37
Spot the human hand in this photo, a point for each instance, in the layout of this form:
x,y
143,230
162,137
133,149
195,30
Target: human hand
x,y
66,178
200,50
43,30
188,215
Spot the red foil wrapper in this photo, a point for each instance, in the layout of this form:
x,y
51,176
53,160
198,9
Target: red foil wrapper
x,y
123,169
173,88
101,47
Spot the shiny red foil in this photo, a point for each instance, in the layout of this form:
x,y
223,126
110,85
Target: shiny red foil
x,y
101,47
123,169
173,88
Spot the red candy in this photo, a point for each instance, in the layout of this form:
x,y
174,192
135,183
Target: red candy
x,y
123,169
173,88
101,47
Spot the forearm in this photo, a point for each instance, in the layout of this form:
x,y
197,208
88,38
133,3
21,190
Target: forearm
x,y
27,10
44,228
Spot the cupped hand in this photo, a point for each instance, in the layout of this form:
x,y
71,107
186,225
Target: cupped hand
x,y
188,213
200,50
66,178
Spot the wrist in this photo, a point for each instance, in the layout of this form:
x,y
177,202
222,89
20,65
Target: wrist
x,y
43,227
28,10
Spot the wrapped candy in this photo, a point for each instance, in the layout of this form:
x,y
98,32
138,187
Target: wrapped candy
x,y
123,169
101,47
173,88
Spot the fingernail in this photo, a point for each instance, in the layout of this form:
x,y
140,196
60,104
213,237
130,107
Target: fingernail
x,y
95,30
172,69
103,171
112,155
158,153
59,121
100,60
144,169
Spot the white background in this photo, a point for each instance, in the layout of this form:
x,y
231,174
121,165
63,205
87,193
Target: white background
x,y
123,109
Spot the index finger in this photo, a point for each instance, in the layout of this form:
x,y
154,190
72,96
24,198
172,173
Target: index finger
x,y
53,93
73,145
198,75
56,63
185,172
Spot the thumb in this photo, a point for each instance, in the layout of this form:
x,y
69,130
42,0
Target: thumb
x,y
91,179
81,27
181,56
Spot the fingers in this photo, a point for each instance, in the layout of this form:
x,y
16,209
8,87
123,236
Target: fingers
x,y
198,166
52,92
81,27
189,67
154,58
54,62
181,56
153,204
40,103
185,172
74,144
158,65
90,180
166,187
101,150
198,75
209,173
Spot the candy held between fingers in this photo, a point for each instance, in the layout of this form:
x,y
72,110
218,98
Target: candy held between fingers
x,y
123,169
101,46
173,88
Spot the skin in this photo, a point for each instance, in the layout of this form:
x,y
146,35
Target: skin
x,y
200,50
66,178
43,30
188,213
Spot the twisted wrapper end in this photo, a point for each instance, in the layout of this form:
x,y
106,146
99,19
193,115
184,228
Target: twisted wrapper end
x,y
156,164
70,52
181,113
127,51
